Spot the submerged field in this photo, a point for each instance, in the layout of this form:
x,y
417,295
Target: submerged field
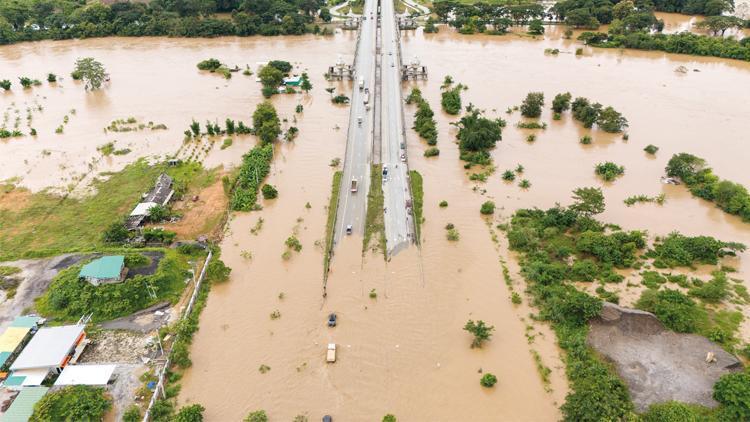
x,y
402,349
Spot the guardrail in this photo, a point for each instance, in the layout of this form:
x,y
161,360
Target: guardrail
x,y
163,372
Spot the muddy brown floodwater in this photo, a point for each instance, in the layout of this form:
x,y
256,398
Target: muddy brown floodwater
x,y
403,352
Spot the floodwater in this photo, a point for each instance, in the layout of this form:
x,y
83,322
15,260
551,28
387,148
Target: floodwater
x,y
403,352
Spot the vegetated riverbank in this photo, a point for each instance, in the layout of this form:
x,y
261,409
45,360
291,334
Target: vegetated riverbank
x,y
20,22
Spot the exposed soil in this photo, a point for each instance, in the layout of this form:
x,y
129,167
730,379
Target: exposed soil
x,y
14,200
202,216
657,364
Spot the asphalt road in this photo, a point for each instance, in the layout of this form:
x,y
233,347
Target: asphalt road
x,y
398,220
353,205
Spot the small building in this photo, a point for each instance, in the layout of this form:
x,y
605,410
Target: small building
x,y
104,270
161,194
293,81
23,405
49,351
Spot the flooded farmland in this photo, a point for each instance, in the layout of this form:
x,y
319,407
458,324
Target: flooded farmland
x,y
404,351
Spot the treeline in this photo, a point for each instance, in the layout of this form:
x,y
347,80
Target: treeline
x,y
591,14
424,123
699,178
28,20
256,164
682,43
471,18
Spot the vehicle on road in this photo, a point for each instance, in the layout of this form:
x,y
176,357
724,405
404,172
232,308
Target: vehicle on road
x,y
403,157
361,83
327,418
359,120
366,98
403,145
332,318
331,353
354,185
349,229
385,170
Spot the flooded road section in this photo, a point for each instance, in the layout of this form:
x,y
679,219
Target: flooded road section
x,y
153,80
404,352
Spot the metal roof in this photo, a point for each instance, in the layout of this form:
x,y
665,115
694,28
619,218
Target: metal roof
x,y
48,347
106,267
85,375
23,406
25,321
142,209
12,338
162,191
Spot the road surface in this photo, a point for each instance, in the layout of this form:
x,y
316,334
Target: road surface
x,y
353,205
398,221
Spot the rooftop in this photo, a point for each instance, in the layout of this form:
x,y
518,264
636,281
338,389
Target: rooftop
x,y
106,267
23,405
12,338
162,191
25,321
48,348
85,375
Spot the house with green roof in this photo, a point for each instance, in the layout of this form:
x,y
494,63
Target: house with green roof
x,y
104,270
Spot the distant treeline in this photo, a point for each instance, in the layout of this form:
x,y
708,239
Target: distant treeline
x,y
682,43
28,20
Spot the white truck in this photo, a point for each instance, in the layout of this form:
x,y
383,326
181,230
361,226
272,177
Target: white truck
x,y
366,98
354,185
331,353
361,83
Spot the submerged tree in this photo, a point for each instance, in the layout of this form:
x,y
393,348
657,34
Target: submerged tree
x,y
482,332
91,72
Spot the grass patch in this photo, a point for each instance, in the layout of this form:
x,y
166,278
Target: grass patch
x,y
375,220
50,224
331,221
417,192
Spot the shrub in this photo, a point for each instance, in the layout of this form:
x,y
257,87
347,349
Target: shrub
x,y
487,208
586,140
73,403
209,64
733,391
389,417
515,298
508,176
451,99
651,149
561,102
51,77
340,99
677,311
671,411
524,184
531,138
443,204
488,380
481,331
5,84
293,243
256,416
431,152
132,414
190,413
269,192
609,171
532,105
713,291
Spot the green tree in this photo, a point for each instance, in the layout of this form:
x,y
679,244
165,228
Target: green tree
x,y
389,418
532,105
209,64
561,102
266,122
73,403
270,76
481,331
536,27
91,72
115,233
132,414
191,413
610,120
671,411
5,84
306,85
588,201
